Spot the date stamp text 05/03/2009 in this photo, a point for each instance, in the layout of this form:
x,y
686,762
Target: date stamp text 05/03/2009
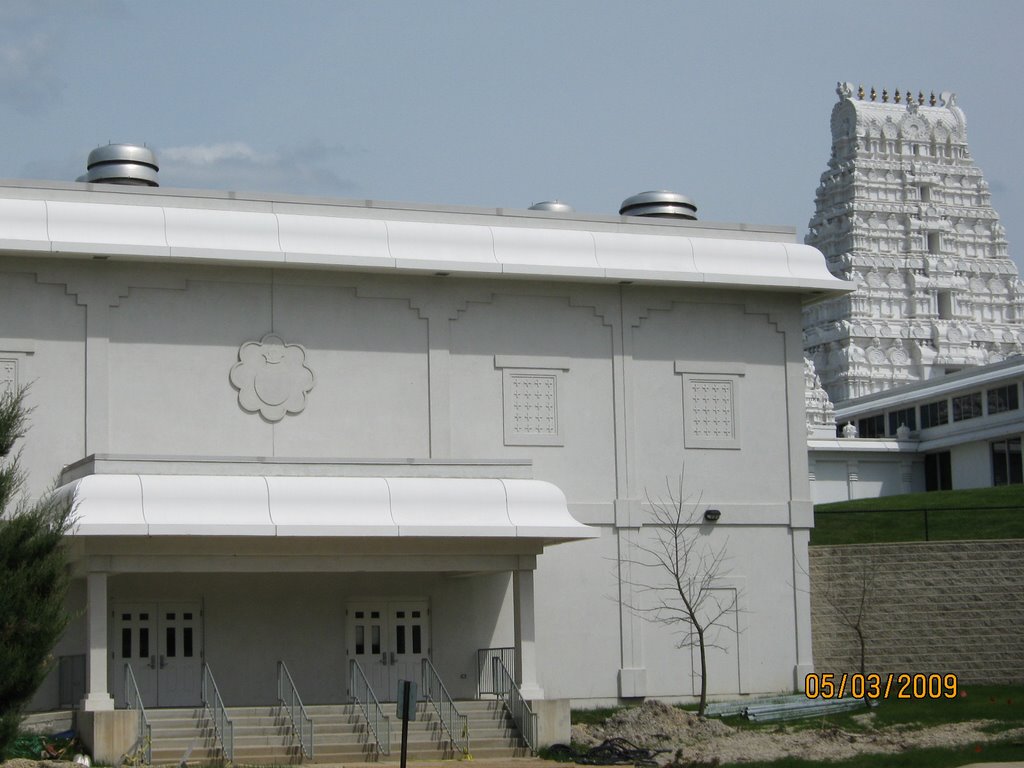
x,y
896,685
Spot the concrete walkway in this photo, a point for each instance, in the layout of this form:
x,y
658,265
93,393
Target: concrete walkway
x,y
536,762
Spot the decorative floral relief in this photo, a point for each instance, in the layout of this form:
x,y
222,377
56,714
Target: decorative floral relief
x,y
272,377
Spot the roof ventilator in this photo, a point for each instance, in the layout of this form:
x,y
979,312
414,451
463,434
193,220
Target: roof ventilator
x,y
122,164
659,204
553,206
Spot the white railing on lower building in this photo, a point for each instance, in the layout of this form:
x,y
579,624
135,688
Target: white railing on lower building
x,y
213,704
289,701
454,722
362,694
507,690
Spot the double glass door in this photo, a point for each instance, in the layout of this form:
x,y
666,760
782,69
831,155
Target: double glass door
x,y
162,643
389,640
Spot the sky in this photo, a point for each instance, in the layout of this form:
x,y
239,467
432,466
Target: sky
x,y
499,104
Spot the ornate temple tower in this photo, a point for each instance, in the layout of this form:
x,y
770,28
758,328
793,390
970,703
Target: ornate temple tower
x,y
904,213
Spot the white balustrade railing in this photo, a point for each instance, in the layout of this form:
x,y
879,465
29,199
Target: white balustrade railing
x,y
133,700
455,723
362,694
213,704
289,701
507,690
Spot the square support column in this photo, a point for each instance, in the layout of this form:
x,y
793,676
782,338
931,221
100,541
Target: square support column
x,y
98,698
525,634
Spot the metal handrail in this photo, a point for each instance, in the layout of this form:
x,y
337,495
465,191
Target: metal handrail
x,y
133,700
507,690
451,719
289,701
362,694
484,679
213,704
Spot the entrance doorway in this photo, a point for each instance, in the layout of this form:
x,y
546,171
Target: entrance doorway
x,y
163,644
389,639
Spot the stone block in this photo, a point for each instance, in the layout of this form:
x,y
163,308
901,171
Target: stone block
x,y
107,735
553,724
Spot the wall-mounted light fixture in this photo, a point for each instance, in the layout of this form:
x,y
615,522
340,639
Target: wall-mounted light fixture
x,y
712,515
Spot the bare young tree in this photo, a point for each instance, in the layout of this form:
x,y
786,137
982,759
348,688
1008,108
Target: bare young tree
x,y
852,595
680,568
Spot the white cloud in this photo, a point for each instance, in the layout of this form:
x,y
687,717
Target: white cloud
x,y
211,154
236,165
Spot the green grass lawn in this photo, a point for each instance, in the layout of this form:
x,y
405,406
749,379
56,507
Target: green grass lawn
x,y
1002,704
978,513
915,758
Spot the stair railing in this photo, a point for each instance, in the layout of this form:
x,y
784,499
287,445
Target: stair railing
x,y
362,694
452,720
289,701
507,690
213,704
133,700
484,677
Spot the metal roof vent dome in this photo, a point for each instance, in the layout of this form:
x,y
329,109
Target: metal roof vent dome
x,y
553,206
122,164
659,203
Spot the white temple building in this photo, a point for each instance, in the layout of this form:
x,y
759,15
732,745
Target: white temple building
x,y
904,214
371,441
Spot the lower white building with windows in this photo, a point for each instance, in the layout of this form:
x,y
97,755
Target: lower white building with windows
x,y
957,431
356,438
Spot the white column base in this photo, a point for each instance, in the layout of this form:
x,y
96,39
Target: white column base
x,y
97,702
532,692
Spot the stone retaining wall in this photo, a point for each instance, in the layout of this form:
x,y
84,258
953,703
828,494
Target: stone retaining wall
x,y
937,607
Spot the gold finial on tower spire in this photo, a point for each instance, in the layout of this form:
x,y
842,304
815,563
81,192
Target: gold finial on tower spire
x,y
920,98
873,93
885,96
860,92
932,99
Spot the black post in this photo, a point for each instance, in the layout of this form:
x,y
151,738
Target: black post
x,y
406,711
405,736
926,525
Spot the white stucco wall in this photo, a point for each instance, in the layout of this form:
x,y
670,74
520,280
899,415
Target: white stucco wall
x,y
135,359
971,464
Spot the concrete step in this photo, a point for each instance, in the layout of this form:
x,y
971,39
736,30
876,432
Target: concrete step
x,y
263,735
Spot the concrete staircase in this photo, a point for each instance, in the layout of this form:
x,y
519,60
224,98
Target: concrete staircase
x,y
263,735
492,732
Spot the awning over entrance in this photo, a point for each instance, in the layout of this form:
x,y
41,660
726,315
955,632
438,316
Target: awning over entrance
x,y
290,506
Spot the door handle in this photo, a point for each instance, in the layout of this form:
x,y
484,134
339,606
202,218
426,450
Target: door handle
x,y
392,657
384,659
152,662
163,661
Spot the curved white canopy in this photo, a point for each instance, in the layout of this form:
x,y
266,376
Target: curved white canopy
x,y
208,228
230,505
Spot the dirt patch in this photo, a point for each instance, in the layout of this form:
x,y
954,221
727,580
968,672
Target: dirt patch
x,y
24,762
658,726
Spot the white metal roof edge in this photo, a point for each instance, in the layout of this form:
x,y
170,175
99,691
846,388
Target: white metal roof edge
x,y
147,230
331,506
862,445
923,391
